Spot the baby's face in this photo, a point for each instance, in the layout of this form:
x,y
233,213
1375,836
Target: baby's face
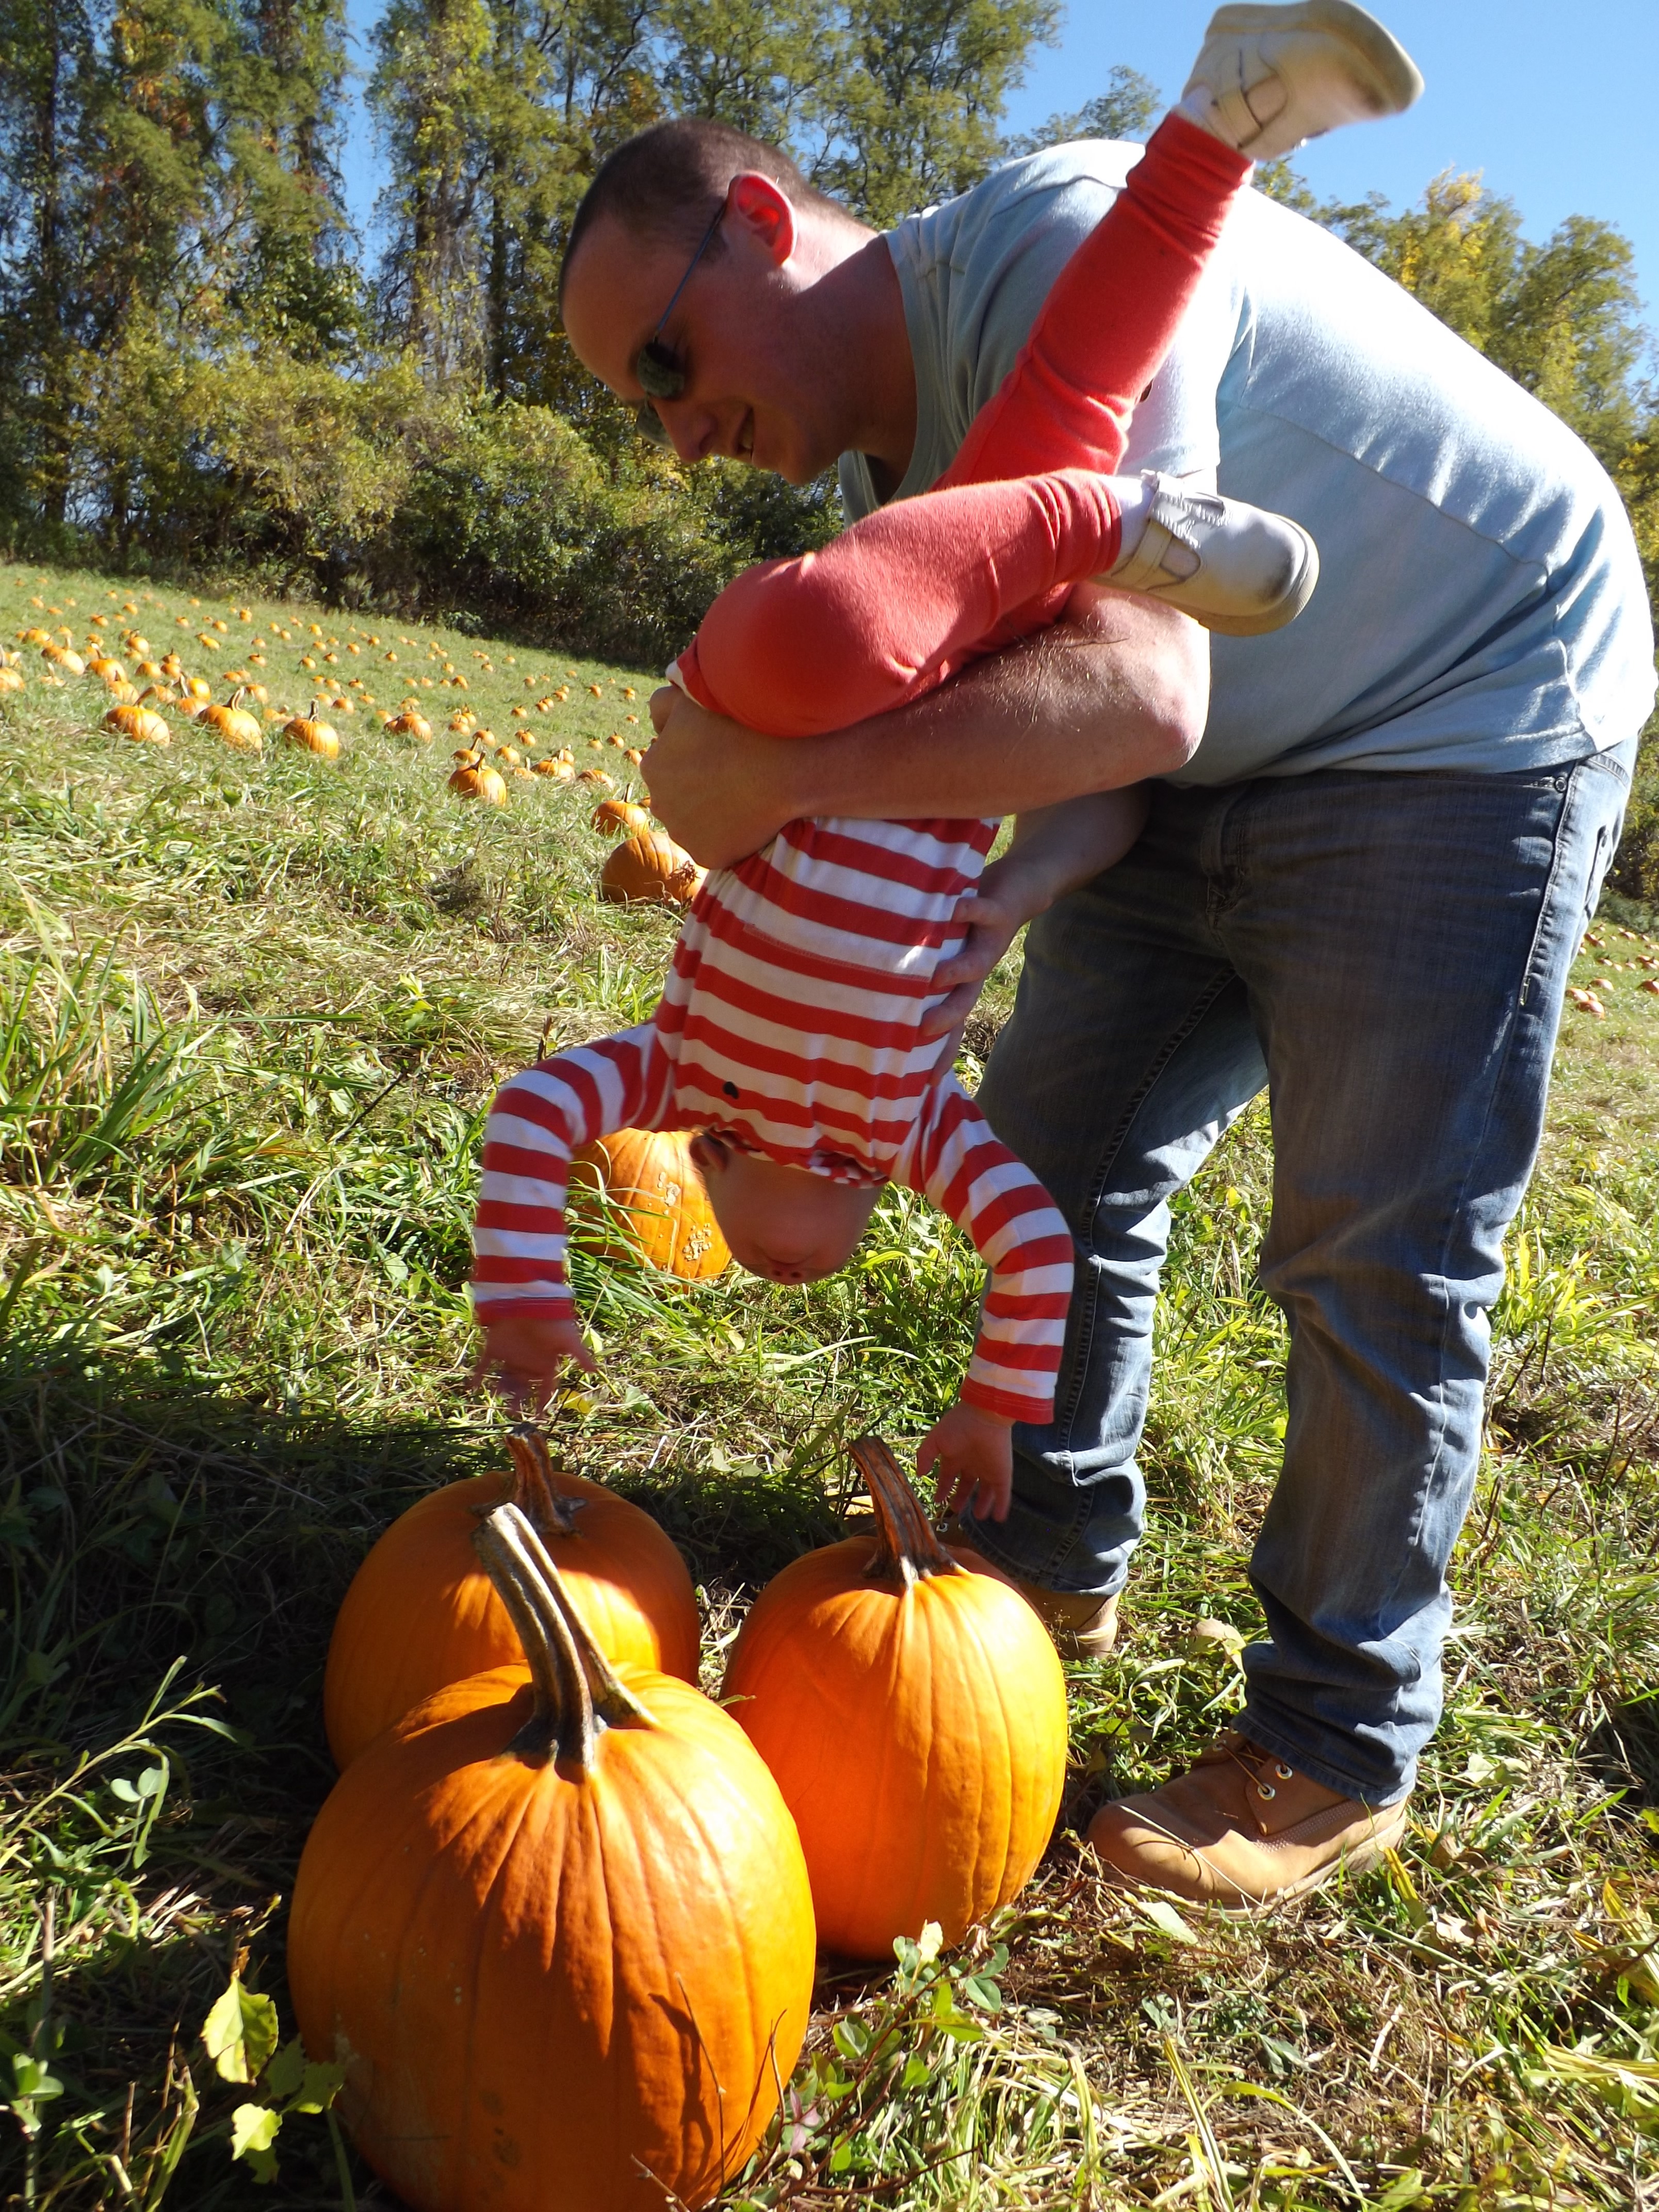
x,y
781,1221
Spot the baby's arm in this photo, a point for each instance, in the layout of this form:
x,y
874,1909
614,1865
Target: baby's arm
x,y
956,1162
520,1296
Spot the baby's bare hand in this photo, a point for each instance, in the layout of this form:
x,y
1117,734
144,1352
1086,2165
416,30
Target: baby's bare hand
x,y
522,1355
974,1454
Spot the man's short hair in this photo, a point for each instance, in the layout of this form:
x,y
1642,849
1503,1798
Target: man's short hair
x,y
664,184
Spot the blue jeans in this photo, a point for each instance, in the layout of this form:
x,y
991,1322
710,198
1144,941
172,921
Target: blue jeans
x,y
1388,954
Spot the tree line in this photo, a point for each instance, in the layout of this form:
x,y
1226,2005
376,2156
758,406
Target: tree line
x,y
206,372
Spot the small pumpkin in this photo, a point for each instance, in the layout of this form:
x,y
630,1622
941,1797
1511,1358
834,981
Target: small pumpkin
x,y
409,724
420,1612
99,664
61,656
910,1703
305,732
35,637
620,818
238,729
654,1201
475,779
649,866
139,723
560,770
11,680
556,1926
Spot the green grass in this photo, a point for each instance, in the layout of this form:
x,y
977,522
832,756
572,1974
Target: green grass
x,y
251,1008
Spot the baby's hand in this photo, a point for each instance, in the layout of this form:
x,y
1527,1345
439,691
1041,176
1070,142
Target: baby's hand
x,y
974,1455
523,1353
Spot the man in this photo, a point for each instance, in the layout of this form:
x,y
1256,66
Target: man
x,y
1373,844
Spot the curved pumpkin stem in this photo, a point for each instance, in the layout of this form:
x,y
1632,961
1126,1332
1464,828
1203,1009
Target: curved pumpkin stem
x,y
908,1548
577,1694
533,1494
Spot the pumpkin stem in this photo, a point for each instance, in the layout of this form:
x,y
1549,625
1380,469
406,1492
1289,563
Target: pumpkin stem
x,y
533,1494
577,1692
908,1547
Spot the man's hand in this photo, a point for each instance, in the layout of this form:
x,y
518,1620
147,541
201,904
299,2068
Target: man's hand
x,y
718,789
974,1455
522,1354
993,916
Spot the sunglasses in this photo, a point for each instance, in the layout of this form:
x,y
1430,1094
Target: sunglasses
x,y
660,372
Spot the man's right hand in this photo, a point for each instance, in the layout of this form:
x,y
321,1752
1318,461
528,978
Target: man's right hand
x,y
720,789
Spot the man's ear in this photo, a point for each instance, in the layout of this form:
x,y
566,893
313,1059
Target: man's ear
x,y
763,209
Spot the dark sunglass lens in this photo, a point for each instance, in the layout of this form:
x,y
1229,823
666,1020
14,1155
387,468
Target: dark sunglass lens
x,y
658,372
650,424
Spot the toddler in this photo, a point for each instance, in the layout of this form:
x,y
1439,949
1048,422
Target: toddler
x,y
794,1035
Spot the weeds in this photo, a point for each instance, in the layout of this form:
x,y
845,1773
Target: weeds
x,y
251,1013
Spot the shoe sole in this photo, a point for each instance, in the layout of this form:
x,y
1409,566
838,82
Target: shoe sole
x,y
1393,74
1360,1859
1283,610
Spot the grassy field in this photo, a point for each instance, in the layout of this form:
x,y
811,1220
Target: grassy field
x,y
252,1007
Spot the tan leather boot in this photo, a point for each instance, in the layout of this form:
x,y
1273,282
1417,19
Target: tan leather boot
x,y
1083,1627
1241,1827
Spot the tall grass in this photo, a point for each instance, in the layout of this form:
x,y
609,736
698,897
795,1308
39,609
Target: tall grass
x,y
250,1012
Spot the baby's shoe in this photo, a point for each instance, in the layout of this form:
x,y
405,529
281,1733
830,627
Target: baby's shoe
x,y
1266,78
1234,567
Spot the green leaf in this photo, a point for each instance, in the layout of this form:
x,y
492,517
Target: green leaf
x,y
981,1989
1406,2188
240,2033
253,2131
286,2070
1164,1915
323,2083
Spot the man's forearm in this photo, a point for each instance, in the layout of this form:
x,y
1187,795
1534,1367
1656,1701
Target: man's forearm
x,y
1087,705
1116,693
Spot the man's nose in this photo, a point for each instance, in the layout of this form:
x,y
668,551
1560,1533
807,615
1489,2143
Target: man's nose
x,y
692,429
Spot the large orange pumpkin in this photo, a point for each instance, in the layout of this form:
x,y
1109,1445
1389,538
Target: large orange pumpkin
x,y
910,1703
650,867
306,733
648,1178
139,723
420,1612
557,1929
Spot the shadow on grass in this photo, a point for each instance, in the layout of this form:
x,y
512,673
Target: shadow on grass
x,y
154,1527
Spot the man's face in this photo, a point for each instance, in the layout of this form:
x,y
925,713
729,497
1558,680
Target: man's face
x,y
758,386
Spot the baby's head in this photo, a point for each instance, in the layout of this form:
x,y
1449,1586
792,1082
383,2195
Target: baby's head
x,y
782,1222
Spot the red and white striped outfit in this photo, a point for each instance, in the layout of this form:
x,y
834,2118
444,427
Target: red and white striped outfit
x,y
790,1025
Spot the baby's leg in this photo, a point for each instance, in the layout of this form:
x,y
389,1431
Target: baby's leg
x,y
896,603
1107,323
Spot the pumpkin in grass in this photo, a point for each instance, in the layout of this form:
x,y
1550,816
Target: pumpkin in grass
x,y
140,724
620,818
560,770
11,680
911,1705
420,1612
409,724
650,868
62,656
239,730
310,735
654,1201
475,779
556,1926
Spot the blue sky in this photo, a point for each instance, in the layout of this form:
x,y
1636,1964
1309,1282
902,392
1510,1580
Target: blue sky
x,y
1554,105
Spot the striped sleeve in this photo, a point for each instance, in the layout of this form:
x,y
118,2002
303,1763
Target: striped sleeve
x,y
955,1162
538,1120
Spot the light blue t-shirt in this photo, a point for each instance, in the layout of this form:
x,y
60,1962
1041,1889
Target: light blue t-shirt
x,y
1480,605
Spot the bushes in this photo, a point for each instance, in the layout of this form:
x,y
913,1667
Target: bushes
x,y
381,489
